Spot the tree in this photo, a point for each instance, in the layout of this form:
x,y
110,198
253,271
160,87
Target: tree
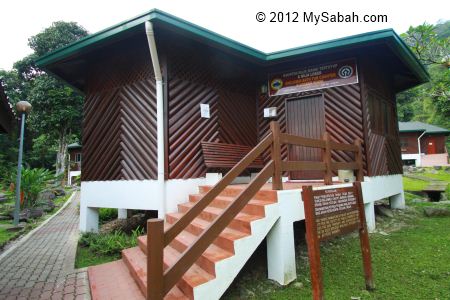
x,y
429,102
57,108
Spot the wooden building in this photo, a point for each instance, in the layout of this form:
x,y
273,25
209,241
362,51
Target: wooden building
x,y
75,156
170,106
423,145
6,112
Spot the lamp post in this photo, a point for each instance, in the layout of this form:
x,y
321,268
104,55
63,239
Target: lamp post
x,y
23,108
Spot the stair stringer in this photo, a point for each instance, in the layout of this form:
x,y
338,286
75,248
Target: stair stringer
x,y
228,269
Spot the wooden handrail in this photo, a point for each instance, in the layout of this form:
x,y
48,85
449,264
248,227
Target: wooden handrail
x,y
301,141
192,213
203,241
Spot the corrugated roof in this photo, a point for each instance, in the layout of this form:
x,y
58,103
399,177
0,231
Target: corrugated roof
x,y
420,127
94,40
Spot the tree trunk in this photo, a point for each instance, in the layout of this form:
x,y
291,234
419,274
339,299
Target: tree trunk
x,y
61,156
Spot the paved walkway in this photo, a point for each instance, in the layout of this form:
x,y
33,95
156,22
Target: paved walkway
x,y
42,267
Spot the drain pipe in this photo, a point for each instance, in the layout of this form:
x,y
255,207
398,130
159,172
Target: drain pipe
x,y
420,151
159,115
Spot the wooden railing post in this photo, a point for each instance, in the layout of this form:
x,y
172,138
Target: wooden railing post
x,y
277,183
155,267
359,161
328,179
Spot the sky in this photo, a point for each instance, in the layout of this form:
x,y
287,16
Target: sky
x,y
20,19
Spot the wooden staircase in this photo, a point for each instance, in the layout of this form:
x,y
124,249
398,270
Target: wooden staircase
x,y
215,269
198,251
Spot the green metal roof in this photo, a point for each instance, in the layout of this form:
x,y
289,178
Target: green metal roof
x,y
421,127
160,17
75,145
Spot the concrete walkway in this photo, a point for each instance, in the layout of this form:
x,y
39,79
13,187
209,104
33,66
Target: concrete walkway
x,y
42,267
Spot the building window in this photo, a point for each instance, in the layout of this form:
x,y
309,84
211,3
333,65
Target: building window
x,y
78,157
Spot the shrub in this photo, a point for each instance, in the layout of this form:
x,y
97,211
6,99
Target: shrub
x,y
107,214
33,182
110,244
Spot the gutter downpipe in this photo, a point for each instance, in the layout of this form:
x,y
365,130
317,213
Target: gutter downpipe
x,y
420,151
159,115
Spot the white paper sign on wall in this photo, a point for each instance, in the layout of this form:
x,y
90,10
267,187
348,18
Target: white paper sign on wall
x,y
270,112
204,111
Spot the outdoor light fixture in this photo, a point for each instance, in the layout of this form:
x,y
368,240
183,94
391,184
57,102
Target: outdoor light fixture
x,y
23,108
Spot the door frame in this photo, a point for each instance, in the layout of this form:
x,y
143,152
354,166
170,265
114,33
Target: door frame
x,y
299,97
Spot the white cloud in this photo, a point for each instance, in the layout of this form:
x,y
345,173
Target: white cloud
x,y
20,19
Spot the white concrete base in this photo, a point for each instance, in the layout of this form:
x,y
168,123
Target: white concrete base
x,y
71,175
369,209
397,201
280,240
122,213
228,269
135,194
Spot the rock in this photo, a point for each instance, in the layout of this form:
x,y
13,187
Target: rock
x,y
46,195
3,198
4,218
17,228
436,212
437,167
298,285
125,225
418,200
383,211
59,192
35,212
49,206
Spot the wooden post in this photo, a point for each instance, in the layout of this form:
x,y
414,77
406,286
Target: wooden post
x,y
312,243
155,250
358,160
364,239
277,183
327,159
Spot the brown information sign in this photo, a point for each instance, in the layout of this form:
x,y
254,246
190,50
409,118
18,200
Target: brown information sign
x,y
330,213
336,212
309,78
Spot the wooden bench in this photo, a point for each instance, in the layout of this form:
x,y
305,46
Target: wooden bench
x,y
226,156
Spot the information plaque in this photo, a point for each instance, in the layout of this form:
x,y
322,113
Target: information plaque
x,y
329,213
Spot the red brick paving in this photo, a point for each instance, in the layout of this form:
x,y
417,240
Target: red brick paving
x,y
42,267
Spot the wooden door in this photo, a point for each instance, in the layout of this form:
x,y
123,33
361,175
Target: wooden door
x,y
431,145
305,117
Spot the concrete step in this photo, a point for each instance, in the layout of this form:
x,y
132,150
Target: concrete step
x,y
253,207
241,222
226,238
136,262
208,259
233,191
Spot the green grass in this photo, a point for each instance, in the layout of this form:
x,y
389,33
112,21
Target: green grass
x,y
411,263
86,258
94,248
414,185
5,235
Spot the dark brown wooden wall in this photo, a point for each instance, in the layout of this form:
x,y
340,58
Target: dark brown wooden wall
x,y
119,130
439,141
381,123
343,115
195,76
410,138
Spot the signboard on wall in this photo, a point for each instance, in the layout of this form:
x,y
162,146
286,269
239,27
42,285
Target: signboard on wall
x,y
329,213
315,77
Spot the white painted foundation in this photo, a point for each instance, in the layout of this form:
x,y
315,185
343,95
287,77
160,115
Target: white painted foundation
x,y
72,174
135,194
